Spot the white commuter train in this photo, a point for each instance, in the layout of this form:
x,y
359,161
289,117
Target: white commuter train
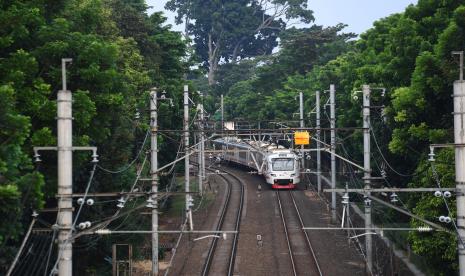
x,y
279,165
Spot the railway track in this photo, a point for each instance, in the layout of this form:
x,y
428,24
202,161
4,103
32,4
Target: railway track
x,y
301,253
221,255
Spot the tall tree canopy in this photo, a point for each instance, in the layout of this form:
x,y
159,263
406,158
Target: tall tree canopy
x,y
226,31
118,53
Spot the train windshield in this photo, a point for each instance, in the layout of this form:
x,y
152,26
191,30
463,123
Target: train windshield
x,y
283,164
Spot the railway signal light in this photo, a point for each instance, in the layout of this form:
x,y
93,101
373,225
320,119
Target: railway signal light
x,y
301,138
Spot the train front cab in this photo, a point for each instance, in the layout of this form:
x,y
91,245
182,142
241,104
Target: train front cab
x,y
283,171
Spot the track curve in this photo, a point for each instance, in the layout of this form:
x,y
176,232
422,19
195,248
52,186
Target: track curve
x,y
221,254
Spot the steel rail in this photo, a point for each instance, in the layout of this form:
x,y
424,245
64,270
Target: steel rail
x,y
212,248
232,259
291,255
309,244
213,245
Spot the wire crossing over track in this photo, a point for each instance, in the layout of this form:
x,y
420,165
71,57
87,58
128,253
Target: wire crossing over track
x,y
222,253
301,253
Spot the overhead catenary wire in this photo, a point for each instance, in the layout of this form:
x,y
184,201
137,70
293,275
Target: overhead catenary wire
x,y
129,165
34,219
105,222
382,155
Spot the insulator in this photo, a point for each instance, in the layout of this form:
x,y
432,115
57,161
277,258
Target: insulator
x,y
424,229
437,194
88,224
431,155
447,219
190,201
394,198
94,158
442,218
82,225
80,201
90,202
37,158
367,201
383,173
447,194
120,205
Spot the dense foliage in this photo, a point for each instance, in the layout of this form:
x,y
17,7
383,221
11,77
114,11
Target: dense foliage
x,y
408,54
118,53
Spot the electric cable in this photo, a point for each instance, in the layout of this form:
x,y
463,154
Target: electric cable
x,y
54,236
76,218
49,254
382,155
438,182
130,163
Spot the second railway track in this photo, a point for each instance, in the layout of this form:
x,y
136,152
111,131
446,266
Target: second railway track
x,y
301,254
221,255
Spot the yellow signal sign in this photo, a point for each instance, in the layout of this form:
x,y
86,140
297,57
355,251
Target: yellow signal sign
x,y
301,138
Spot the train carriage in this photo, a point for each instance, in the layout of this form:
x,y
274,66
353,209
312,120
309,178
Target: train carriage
x,y
279,165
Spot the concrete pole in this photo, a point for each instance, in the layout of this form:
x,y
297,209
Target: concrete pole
x,y
318,137
201,153
154,168
222,112
186,160
65,176
367,174
332,102
459,140
460,54
302,123
348,214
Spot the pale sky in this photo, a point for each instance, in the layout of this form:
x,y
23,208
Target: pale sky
x,y
358,14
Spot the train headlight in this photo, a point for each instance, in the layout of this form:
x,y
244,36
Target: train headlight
x,y
292,175
273,175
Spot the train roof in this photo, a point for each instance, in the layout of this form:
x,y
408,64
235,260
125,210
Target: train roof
x,y
253,145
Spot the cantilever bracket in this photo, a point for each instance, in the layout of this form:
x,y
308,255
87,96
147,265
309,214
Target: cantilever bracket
x,y
93,149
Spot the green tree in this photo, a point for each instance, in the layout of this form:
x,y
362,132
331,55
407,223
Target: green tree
x,y
109,77
225,31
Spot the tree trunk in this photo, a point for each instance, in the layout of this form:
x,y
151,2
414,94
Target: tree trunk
x,y
237,48
213,52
